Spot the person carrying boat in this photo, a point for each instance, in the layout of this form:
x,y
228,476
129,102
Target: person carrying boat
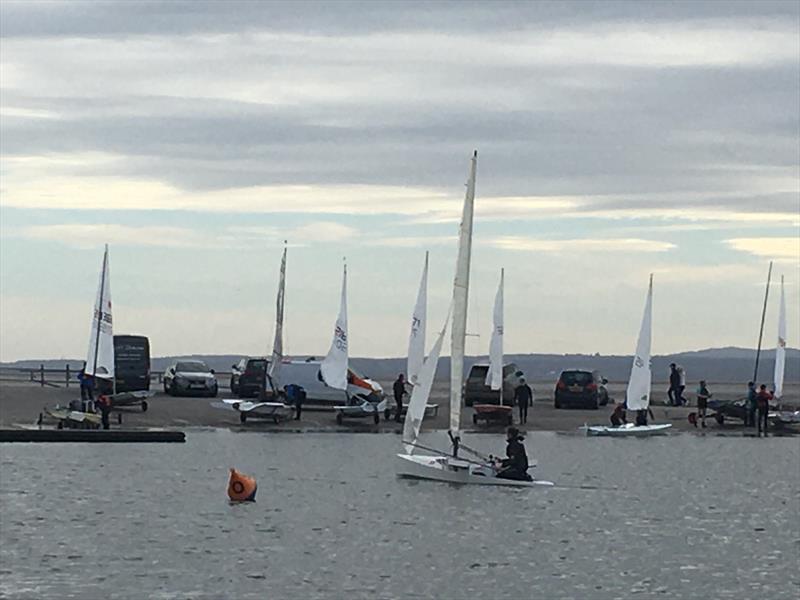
x,y
515,466
523,396
702,402
762,403
399,389
618,417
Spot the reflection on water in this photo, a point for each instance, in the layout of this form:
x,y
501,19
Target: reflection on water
x,y
676,517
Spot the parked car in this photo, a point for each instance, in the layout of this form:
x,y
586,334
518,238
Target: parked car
x,y
577,387
187,377
477,392
247,376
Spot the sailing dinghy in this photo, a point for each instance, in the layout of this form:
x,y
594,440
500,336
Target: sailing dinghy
x,y
443,466
336,374
274,410
638,393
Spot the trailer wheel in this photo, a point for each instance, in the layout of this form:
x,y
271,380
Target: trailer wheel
x,y
242,417
277,419
387,414
475,419
376,417
119,418
719,418
144,405
338,418
510,420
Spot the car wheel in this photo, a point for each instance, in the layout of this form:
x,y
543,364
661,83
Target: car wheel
x,y
338,418
510,420
720,419
242,417
173,388
166,388
596,403
387,414
213,393
557,403
475,419
144,405
376,418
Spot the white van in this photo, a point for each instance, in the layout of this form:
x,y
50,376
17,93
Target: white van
x,y
306,373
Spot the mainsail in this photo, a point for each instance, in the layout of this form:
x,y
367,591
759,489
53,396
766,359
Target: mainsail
x,y
494,377
638,393
421,392
100,359
334,368
780,349
460,294
416,340
277,344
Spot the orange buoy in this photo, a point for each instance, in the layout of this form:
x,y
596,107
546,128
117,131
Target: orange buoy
x,y
241,488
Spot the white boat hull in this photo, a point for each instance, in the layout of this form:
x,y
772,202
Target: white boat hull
x,y
447,469
361,411
629,430
275,411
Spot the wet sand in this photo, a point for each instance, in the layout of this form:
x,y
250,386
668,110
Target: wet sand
x,y
21,403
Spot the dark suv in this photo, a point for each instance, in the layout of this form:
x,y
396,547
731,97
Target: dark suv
x,y
247,376
477,392
580,388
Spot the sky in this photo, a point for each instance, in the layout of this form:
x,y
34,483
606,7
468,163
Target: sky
x,y
614,140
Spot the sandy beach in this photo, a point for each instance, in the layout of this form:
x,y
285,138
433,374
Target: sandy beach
x,y
21,403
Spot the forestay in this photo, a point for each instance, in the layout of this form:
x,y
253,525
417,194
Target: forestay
x,y
494,377
460,296
638,393
416,339
421,392
100,359
277,344
334,366
780,349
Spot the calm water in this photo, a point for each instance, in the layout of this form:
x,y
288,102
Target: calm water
x,y
674,517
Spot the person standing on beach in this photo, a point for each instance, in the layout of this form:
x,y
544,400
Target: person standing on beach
x,y
702,402
750,405
762,402
674,384
681,386
86,383
399,389
523,396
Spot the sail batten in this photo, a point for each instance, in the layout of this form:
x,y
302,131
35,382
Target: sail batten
x,y
460,300
494,377
100,357
638,392
416,340
780,348
334,367
277,344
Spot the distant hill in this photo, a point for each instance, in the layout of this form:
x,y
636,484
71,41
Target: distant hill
x,y
714,364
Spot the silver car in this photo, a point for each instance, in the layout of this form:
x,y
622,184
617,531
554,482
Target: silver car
x,y
189,377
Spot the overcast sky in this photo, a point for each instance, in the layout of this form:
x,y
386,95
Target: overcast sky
x,y
615,139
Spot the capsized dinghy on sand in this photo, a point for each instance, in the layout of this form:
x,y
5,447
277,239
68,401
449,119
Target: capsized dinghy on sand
x,y
441,466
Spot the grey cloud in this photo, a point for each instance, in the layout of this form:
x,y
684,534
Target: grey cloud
x,y
123,17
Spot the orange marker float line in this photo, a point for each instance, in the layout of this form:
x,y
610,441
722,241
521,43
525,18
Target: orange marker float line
x,y
241,488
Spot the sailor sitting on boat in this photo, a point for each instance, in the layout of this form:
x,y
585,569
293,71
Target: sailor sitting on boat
x,y
516,465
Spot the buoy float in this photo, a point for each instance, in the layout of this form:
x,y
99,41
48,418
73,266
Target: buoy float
x,y
241,488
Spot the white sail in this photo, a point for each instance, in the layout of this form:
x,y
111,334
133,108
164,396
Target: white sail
x,y
460,296
100,359
780,349
638,393
421,392
334,366
494,377
416,340
277,344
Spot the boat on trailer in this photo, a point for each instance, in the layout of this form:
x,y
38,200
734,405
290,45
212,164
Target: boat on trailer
x,y
451,468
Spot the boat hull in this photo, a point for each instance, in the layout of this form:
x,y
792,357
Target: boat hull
x,y
446,469
629,430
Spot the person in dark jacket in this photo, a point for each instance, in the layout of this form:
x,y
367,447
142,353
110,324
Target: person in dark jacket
x,y
515,465
523,397
618,416
87,384
105,408
674,392
399,389
703,396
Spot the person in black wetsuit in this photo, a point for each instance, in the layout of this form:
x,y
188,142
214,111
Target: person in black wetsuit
x,y
523,396
399,389
515,466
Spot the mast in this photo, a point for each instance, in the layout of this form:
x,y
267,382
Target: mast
x,y
460,300
761,330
